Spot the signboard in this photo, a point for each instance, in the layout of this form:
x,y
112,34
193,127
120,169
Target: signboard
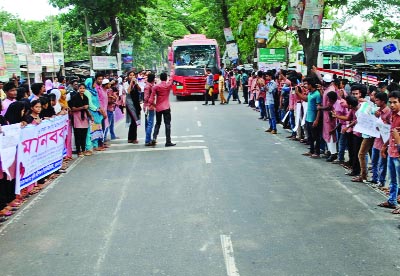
x,y
385,52
271,55
12,64
3,65
233,52
34,64
105,63
126,47
228,34
40,151
51,59
8,43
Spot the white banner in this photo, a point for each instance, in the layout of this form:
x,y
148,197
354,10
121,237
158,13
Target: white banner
x,y
367,124
9,138
40,151
51,59
105,63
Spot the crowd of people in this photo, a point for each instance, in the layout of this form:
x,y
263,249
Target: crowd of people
x,y
322,111
91,107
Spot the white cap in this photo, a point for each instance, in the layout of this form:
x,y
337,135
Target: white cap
x,y
105,81
327,78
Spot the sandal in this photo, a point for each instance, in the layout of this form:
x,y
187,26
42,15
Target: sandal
x,y
396,211
387,205
357,179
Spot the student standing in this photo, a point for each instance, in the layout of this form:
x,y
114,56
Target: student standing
x,y
80,119
149,109
133,108
161,91
209,86
391,149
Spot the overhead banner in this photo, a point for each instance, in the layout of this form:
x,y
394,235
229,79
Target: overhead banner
x,y
105,63
313,13
272,55
40,151
8,42
101,39
385,52
228,34
12,64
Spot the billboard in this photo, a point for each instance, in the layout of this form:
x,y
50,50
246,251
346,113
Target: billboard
x,y
272,55
385,52
105,63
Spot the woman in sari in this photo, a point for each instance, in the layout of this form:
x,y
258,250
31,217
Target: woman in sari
x,y
133,108
94,140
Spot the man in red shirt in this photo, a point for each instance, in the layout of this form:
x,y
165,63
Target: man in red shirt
x,y
162,105
393,152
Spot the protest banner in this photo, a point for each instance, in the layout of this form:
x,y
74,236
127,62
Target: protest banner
x,y
384,130
105,62
8,43
384,52
40,151
295,14
9,138
367,124
228,34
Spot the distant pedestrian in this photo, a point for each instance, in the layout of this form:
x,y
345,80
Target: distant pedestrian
x,y
209,86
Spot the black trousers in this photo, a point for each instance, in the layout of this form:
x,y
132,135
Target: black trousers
x,y
132,132
314,137
7,191
80,139
246,94
206,96
356,148
166,114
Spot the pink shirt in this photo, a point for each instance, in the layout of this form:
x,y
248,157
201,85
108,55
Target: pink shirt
x,y
147,93
162,91
395,123
340,108
5,104
233,82
293,99
385,116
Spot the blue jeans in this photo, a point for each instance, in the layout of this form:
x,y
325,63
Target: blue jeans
x,y
272,117
379,166
110,115
149,121
394,173
342,146
261,106
231,91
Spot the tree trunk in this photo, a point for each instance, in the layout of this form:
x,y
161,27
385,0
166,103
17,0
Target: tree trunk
x,y
310,40
224,12
114,29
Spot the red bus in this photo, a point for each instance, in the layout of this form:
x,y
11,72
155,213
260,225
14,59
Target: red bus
x,y
190,55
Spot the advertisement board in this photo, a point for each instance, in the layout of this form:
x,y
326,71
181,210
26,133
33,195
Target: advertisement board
x,y
384,52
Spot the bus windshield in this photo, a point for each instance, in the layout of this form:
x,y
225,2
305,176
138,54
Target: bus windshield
x,y
196,56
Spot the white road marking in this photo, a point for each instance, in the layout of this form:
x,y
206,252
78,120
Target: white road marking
x,y
27,207
207,156
141,145
198,123
153,149
343,186
227,249
361,201
163,137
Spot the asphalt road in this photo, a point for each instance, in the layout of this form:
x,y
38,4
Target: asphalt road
x,y
229,199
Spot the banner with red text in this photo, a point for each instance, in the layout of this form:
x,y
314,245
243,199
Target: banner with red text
x,y
40,151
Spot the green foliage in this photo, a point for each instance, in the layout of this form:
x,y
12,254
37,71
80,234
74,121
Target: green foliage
x,y
384,15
